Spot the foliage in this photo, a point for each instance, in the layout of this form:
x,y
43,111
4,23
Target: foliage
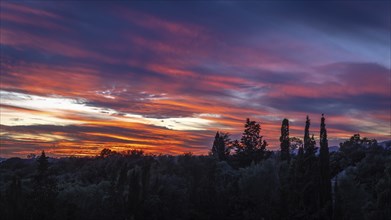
x,y
325,194
134,185
221,146
284,140
252,147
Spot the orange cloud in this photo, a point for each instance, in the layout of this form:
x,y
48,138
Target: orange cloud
x,y
148,80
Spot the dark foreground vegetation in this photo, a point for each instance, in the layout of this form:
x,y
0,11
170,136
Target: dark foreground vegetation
x,y
239,180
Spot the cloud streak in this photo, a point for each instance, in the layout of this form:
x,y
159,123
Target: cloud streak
x,y
165,77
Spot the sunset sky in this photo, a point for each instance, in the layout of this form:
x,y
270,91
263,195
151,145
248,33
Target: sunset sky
x,y
77,77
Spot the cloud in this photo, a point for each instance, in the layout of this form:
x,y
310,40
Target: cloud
x,y
165,77
74,137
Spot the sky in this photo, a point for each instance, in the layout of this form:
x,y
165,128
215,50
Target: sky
x,y
77,77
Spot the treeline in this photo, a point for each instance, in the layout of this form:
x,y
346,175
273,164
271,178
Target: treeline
x,y
240,179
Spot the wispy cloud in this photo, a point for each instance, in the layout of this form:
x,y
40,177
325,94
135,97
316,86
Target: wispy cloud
x,y
165,78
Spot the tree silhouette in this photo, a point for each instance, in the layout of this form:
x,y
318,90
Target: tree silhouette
x,y
251,148
309,142
354,149
44,190
295,143
284,140
43,163
286,172
133,185
311,174
221,144
324,163
107,153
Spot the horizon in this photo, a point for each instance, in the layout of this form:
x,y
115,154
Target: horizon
x,y
163,77
35,156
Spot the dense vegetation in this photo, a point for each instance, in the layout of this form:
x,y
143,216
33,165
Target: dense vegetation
x,y
240,179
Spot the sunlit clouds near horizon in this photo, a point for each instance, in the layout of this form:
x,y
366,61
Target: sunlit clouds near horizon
x,y
77,77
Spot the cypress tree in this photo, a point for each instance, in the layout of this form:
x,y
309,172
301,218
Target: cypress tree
x,y
309,142
284,140
311,175
325,180
285,173
215,146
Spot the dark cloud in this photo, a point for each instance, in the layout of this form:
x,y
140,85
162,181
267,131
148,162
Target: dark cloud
x,y
341,15
179,59
329,105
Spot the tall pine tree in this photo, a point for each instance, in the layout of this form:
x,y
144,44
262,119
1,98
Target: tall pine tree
x,y
284,140
251,148
325,180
